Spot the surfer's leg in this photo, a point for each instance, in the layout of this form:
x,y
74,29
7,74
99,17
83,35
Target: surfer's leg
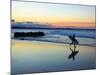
x,y
74,46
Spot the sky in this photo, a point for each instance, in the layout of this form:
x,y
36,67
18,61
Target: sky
x,y
57,15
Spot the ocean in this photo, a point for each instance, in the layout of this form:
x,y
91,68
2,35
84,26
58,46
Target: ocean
x,y
84,36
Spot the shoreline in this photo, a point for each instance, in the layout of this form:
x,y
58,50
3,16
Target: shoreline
x,y
53,42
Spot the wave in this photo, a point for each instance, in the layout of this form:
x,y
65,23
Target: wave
x,y
79,33
60,39
85,37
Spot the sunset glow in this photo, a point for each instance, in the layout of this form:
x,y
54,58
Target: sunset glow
x,y
57,15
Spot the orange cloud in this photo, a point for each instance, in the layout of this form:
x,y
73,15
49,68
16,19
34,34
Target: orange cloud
x,y
75,24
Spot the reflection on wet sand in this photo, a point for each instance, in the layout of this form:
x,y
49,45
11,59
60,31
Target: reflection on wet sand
x,y
36,56
73,54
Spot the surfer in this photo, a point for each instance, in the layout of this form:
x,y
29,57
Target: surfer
x,y
74,40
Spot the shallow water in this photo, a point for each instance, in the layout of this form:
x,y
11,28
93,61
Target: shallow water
x,y
35,56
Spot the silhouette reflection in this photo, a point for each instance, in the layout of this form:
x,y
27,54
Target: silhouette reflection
x,y
73,54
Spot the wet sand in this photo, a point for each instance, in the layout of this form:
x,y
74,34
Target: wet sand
x,y
36,56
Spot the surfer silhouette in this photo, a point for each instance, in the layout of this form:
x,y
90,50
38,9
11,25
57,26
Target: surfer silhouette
x,y
74,40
